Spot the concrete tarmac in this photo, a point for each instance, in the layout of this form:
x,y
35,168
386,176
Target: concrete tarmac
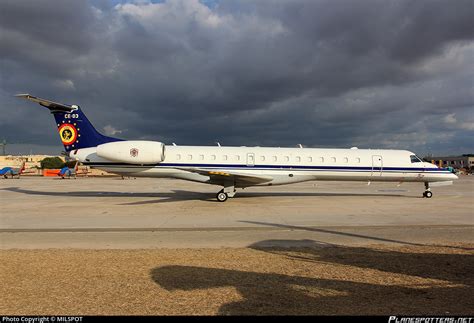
x,y
111,212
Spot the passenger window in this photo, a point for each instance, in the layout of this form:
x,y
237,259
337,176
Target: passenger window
x,y
190,157
346,160
237,157
298,159
224,157
321,159
201,157
262,158
287,159
274,158
178,157
333,159
310,159
358,160
415,159
213,157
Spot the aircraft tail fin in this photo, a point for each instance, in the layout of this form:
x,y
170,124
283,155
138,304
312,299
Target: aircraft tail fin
x,y
22,168
75,130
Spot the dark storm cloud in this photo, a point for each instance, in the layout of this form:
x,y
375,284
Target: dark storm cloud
x,y
64,25
395,74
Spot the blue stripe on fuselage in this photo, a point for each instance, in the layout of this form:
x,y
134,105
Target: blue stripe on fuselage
x,y
276,167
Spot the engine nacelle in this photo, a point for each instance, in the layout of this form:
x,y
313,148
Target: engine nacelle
x,y
133,151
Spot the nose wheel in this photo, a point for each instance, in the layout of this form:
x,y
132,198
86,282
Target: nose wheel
x,y
427,194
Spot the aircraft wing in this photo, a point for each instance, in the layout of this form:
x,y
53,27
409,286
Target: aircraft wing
x,y
221,176
5,170
53,106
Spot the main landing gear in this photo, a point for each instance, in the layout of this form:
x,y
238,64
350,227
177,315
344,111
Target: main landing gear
x,y
226,192
221,196
427,193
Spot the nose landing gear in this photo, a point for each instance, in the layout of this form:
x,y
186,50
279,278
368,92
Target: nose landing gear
x,y
427,193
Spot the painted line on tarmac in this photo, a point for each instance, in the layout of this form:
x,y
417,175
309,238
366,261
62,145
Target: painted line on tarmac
x,y
262,227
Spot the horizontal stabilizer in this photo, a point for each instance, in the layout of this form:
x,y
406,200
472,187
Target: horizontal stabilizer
x,y
53,106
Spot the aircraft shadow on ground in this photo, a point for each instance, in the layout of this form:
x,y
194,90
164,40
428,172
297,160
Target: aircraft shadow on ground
x,y
341,233
275,293
183,195
175,195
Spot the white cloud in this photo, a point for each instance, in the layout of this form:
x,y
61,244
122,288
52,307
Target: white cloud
x,y
465,125
111,131
450,118
64,84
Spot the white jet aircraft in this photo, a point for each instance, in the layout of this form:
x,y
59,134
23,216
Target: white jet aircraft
x,y
235,167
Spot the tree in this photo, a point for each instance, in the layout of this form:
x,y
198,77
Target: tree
x,y
70,164
52,163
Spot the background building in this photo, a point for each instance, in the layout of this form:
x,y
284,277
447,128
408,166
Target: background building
x,y
464,161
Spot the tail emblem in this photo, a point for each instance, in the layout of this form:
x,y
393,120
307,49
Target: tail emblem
x,y
68,133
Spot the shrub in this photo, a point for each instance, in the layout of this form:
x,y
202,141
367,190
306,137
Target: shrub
x,y
52,163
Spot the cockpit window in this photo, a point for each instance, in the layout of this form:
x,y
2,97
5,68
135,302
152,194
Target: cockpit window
x,y
415,159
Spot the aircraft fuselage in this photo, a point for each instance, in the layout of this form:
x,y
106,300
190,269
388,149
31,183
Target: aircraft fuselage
x,y
284,165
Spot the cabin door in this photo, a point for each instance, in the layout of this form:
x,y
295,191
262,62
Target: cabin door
x,y
250,159
377,165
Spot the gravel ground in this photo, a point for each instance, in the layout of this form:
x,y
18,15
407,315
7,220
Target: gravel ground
x,y
322,280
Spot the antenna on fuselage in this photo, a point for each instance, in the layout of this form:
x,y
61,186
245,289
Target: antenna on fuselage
x,y
218,144
300,145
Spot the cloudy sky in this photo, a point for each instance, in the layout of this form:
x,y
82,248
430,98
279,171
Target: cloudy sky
x,y
366,73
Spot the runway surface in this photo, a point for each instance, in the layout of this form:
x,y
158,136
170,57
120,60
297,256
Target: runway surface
x,y
107,246
114,213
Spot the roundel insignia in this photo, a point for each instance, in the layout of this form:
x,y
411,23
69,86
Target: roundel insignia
x,y
134,152
68,133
